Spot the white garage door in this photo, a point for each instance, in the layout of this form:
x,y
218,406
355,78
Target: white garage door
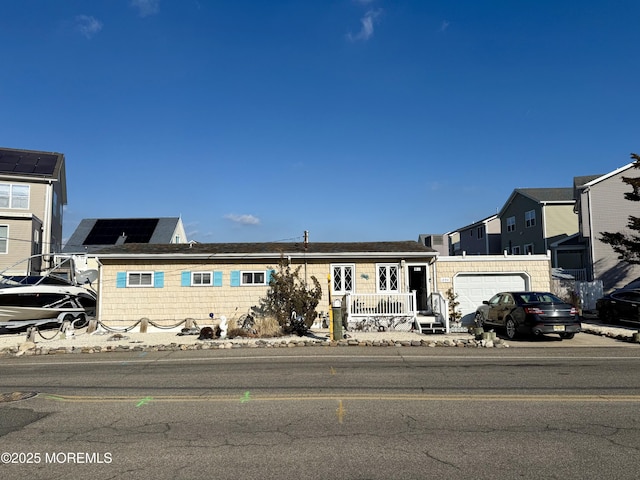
x,y
472,289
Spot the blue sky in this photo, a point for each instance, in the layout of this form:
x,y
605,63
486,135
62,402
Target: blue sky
x,y
358,120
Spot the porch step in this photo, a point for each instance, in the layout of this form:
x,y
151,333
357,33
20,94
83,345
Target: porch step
x,y
430,324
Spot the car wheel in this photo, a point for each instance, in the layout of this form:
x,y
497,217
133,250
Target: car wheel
x,y
510,327
567,336
480,320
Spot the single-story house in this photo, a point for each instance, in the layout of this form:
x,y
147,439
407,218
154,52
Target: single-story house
x,y
171,282
398,285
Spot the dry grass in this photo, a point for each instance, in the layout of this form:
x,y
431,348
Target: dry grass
x,y
264,327
267,327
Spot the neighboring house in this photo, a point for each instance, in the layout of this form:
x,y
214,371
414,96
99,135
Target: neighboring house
x,y
602,207
438,241
480,238
172,282
534,219
33,191
454,243
93,234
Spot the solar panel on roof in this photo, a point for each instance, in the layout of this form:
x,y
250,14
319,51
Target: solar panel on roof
x,y
27,162
108,231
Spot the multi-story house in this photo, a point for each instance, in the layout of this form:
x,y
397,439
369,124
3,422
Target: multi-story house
x,y
480,238
534,219
33,191
438,241
602,207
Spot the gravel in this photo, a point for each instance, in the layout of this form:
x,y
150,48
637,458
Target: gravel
x,y
55,343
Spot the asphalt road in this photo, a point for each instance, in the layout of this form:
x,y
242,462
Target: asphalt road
x,y
325,413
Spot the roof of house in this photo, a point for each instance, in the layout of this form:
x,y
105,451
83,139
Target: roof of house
x,y
542,196
30,162
34,165
407,248
479,222
572,241
93,234
583,180
600,178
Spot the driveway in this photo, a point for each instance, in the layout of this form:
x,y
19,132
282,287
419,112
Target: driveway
x,y
594,334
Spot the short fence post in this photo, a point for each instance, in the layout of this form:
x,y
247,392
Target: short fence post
x,y
144,325
93,325
31,334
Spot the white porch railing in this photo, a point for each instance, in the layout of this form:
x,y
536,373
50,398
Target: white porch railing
x,y
389,310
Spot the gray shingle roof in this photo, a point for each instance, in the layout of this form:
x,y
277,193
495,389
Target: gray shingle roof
x,y
580,181
564,194
270,249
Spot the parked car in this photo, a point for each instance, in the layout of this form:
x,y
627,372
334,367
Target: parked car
x,y
619,305
529,312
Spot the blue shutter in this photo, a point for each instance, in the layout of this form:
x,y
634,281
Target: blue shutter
x,y
217,279
235,278
185,279
121,279
158,279
269,273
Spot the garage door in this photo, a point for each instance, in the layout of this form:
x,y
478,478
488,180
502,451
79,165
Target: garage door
x,y
472,289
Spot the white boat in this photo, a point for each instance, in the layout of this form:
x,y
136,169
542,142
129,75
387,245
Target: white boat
x,y
58,293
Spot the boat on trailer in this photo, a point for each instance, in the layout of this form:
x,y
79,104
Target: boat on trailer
x,y
47,289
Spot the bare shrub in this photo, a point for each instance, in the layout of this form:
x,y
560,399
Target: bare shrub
x,y
268,326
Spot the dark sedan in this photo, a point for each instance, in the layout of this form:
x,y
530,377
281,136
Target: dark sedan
x,y
529,312
621,305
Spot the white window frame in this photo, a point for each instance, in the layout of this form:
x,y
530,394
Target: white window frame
x,y
14,198
480,233
5,195
387,267
4,239
200,275
511,224
141,274
343,267
253,274
528,249
515,250
530,219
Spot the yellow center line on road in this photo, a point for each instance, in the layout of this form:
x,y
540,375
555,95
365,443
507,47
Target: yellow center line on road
x,y
354,397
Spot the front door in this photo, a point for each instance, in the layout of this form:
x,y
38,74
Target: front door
x,y
418,282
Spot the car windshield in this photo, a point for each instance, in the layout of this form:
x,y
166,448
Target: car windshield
x,y
539,297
